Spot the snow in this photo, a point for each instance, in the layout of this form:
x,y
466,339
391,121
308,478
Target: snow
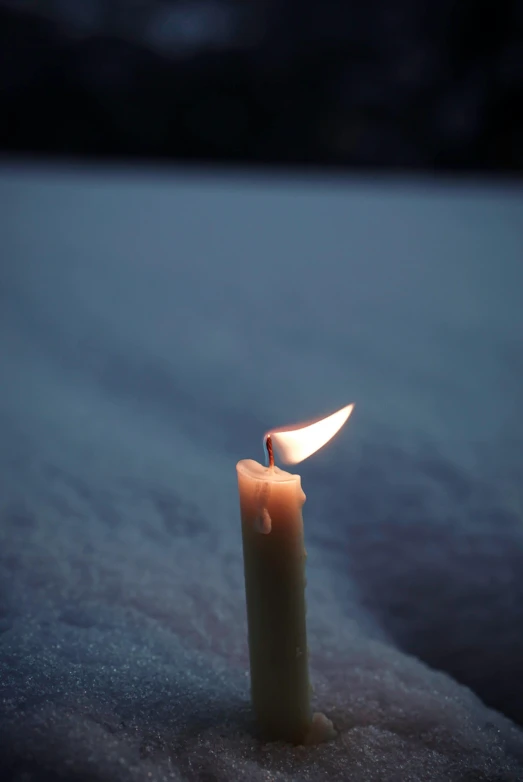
x,y
153,327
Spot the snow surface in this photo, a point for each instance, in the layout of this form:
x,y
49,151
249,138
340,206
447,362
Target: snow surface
x,y
152,328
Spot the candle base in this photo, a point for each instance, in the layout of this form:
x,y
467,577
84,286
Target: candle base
x,y
318,730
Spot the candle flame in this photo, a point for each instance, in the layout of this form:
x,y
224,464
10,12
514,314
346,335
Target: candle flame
x,y
294,444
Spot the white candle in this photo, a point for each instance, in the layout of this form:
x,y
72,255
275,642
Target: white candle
x,y
271,503
274,564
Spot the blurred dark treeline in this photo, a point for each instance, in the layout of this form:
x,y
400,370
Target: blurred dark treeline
x,y
384,84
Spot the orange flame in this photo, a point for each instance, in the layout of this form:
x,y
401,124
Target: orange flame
x,y
294,444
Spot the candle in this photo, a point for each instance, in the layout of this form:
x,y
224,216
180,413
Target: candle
x,y
274,555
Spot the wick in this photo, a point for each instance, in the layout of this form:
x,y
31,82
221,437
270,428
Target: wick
x,y
268,448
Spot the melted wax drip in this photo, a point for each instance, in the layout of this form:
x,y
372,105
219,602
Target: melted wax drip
x,y
263,522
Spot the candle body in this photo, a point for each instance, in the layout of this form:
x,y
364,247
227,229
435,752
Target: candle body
x,y
274,555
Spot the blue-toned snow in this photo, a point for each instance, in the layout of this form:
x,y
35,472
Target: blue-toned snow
x,y
152,328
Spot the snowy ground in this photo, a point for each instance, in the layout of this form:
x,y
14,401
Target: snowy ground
x,y
152,328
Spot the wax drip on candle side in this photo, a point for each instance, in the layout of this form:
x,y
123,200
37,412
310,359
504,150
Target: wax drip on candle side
x,y
263,522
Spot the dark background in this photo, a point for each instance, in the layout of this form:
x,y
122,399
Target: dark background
x,y
402,84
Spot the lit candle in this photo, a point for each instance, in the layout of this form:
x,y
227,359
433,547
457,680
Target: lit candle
x,y
274,555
